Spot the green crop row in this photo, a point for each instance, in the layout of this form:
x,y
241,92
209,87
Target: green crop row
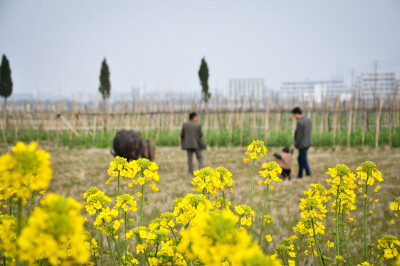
x,y
222,137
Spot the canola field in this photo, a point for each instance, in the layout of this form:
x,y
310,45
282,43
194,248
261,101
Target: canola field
x,y
64,206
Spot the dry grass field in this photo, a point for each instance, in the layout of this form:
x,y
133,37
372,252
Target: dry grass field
x,y
75,170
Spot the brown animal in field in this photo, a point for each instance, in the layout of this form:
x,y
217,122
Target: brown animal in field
x,y
130,145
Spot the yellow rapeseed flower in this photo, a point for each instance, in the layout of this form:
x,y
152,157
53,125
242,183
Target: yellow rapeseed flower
x,y
213,239
256,150
270,172
55,231
389,245
26,170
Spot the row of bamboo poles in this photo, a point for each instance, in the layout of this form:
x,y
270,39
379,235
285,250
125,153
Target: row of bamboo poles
x,y
330,115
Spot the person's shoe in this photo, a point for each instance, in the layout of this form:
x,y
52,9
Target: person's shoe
x,y
299,177
308,176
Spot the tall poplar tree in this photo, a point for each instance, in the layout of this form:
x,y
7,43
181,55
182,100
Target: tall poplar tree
x,y
5,82
105,87
203,75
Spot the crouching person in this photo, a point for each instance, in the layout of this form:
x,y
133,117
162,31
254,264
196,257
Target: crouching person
x,y
285,162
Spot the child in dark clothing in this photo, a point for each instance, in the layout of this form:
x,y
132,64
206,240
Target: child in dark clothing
x,y
285,162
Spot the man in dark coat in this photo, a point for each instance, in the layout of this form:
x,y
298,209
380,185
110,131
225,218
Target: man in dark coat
x,y
191,140
302,140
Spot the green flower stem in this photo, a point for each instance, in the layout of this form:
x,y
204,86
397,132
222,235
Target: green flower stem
x,y
224,203
126,242
365,220
111,252
321,259
223,195
119,253
10,207
118,196
19,223
100,246
282,258
187,262
240,218
251,195
337,209
32,198
298,243
264,212
172,231
345,240
118,184
158,243
139,240
141,206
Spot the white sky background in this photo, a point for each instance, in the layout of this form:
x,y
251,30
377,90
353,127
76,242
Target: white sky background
x,y
57,46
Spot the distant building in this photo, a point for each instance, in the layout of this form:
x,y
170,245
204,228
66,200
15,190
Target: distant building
x,y
137,92
374,84
314,90
247,88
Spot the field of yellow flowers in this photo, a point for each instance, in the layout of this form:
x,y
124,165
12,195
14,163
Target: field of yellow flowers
x,y
220,216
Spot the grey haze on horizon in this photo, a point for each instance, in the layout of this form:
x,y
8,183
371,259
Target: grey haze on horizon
x,y
57,47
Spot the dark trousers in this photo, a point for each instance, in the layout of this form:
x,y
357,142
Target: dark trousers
x,y
303,163
190,159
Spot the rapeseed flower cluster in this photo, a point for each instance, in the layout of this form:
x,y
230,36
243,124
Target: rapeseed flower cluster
x,y
220,203
342,189
210,181
95,200
107,221
369,173
286,252
188,207
256,150
214,240
93,245
245,213
54,231
24,171
395,206
313,212
162,246
389,245
120,169
127,203
270,172
8,235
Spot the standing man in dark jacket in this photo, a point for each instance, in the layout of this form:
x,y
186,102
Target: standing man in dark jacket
x,y
302,140
191,140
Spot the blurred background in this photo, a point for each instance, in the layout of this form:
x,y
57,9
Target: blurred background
x,y
338,60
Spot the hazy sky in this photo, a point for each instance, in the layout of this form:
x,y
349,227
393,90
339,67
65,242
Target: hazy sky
x,y
58,46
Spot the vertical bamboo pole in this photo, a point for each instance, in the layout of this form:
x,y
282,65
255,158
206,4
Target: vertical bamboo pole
x,y
335,121
266,121
242,121
350,120
378,120
364,115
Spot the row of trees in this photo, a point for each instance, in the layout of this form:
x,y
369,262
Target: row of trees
x,y
6,83
105,84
